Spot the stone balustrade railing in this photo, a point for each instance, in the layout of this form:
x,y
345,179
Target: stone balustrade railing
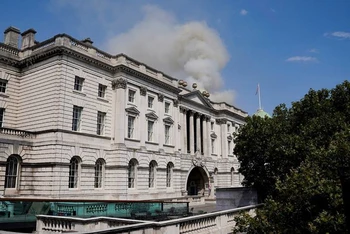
x,y
9,49
16,132
216,222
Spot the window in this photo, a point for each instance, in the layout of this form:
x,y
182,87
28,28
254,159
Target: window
x,y
2,113
12,170
74,172
132,95
100,122
228,128
167,107
167,134
131,123
102,90
152,174
150,130
150,102
78,83
76,124
212,146
132,173
3,84
99,171
229,147
212,126
169,173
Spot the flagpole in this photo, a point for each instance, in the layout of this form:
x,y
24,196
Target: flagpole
x,y
259,97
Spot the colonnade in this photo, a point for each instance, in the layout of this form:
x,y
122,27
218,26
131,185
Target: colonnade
x,y
195,128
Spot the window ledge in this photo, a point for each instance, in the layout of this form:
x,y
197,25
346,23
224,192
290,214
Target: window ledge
x,y
102,99
4,95
131,139
131,104
151,143
79,92
214,155
170,146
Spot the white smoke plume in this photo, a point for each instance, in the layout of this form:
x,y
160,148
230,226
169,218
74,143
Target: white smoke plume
x,y
190,51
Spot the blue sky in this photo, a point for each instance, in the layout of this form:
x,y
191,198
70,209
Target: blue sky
x,y
286,46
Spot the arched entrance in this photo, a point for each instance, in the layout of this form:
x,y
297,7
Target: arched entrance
x,y
197,181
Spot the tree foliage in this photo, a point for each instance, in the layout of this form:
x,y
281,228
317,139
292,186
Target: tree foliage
x,y
293,160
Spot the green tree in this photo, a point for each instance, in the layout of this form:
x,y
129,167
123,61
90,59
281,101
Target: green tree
x,y
293,160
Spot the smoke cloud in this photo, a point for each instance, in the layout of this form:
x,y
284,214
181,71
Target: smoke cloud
x,y
191,51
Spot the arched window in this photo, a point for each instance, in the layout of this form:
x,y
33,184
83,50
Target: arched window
x,y
169,174
152,174
12,171
74,168
232,176
132,173
99,172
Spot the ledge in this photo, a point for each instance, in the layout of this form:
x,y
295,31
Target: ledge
x,y
170,146
130,139
4,95
151,143
102,99
79,92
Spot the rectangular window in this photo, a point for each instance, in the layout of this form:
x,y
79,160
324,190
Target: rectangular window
x,y
167,134
229,147
131,122
100,122
228,128
131,96
150,130
212,146
212,126
102,90
77,110
3,84
78,83
150,102
2,113
167,107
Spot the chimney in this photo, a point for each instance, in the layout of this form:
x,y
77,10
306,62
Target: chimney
x,y
28,38
11,36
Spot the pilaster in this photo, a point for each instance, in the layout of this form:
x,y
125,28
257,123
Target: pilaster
x,y
191,132
119,87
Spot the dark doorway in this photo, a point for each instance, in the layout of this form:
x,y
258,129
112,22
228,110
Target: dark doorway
x,y
197,182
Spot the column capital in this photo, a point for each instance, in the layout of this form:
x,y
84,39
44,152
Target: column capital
x,y
221,121
119,83
143,90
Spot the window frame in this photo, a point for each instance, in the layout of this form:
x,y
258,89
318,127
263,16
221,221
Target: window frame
x,y
101,93
167,137
150,133
74,173
169,174
78,83
152,172
131,135
212,145
101,119
167,106
132,174
131,98
12,172
150,104
99,173
3,85
76,119
2,116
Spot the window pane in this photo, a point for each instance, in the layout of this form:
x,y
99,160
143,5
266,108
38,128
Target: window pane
x,y
101,90
131,95
150,102
78,83
150,130
98,173
131,121
11,172
73,173
76,118
167,134
100,122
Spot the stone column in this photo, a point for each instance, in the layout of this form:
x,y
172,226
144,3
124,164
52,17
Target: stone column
x,y
205,137
191,132
223,128
118,124
184,130
208,136
143,125
198,130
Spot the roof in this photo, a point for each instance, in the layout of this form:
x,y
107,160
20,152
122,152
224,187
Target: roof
x,y
261,113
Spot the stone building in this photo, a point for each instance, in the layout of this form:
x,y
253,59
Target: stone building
x,y
77,122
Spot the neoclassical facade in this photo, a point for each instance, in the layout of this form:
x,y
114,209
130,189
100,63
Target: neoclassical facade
x,y
77,122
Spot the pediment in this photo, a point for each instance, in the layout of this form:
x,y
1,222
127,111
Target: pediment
x,y
198,97
168,120
152,115
132,110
